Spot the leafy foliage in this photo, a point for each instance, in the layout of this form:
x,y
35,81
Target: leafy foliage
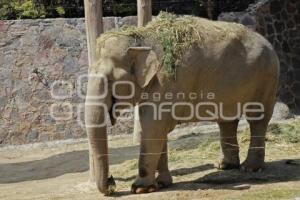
x,y
31,9
175,34
60,10
18,9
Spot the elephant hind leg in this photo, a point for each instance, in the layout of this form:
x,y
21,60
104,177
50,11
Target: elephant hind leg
x,y
256,154
258,122
229,146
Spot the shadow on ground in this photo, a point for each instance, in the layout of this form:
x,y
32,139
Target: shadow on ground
x,y
73,162
275,172
57,165
177,172
77,161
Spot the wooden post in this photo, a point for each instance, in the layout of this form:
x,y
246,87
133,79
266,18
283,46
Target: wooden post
x,y
144,12
94,27
210,9
144,16
137,129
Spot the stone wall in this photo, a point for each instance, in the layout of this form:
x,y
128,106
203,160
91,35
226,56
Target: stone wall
x,y
279,22
38,54
34,56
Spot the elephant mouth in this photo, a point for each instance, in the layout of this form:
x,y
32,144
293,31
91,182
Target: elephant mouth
x,y
111,116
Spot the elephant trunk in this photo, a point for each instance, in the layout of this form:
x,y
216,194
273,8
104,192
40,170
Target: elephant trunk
x,y
96,127
99,151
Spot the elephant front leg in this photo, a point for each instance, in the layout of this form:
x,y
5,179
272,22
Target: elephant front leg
x,y
164,178
229,145
150,153
153,150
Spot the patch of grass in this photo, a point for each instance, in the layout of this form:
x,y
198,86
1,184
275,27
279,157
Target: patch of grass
x,y
210,147
173,157
180,156
289,133
278,133
271,193
133,165
127,168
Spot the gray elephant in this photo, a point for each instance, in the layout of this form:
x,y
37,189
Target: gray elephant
x,y
181,69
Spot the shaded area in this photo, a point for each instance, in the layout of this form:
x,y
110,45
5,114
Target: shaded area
x,y
186,171
275,172
77,161
177,172
57,165
192,141
74,162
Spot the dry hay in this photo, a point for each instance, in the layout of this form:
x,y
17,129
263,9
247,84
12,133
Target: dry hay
x,y
177,34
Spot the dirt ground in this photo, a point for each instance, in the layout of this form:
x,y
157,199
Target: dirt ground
x,y
59,170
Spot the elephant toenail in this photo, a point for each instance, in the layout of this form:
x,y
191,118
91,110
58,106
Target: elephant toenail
x,y
152,188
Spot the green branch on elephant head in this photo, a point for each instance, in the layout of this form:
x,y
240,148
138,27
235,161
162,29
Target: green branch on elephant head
x,y
175,35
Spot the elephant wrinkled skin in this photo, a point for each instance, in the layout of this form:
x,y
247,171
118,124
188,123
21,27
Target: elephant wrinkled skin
x,y
235,64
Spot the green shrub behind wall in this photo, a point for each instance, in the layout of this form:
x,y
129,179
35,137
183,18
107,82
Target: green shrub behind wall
x,y
19,9
28,9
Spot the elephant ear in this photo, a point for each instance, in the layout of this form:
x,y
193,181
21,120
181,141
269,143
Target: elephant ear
x,y
145,66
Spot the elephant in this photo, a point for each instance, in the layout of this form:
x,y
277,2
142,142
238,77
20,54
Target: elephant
x,y
181,69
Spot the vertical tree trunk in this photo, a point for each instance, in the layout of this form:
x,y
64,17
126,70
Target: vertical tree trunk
x,y
144,16
114,5
94,27
137,129
210,9
144,12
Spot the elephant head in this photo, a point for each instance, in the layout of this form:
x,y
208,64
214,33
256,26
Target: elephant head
x,y
119,60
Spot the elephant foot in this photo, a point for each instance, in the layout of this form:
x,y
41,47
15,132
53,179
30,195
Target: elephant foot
x,y
141,186
135,189
226,165
252,166
164,179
